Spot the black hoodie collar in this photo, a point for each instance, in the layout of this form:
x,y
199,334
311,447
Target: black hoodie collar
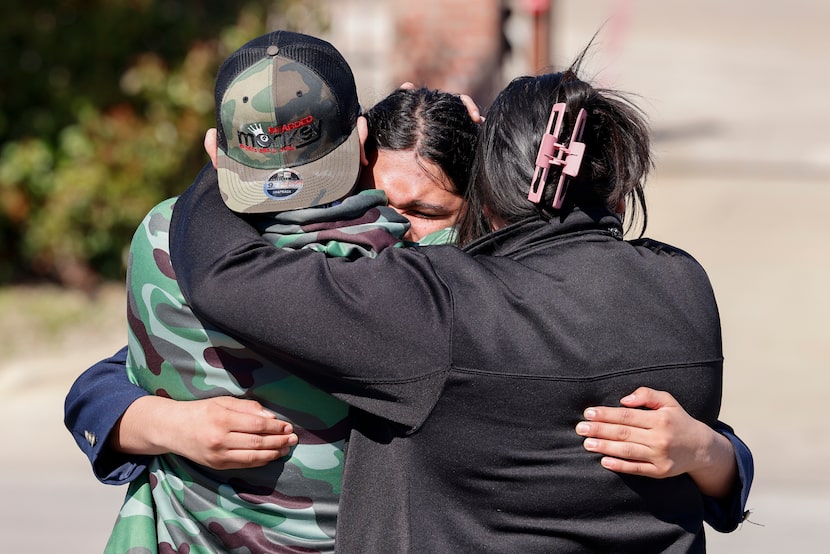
x,y
534,231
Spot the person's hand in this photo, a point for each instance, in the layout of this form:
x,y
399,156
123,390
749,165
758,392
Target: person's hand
x,y
221,433
662,441
472,107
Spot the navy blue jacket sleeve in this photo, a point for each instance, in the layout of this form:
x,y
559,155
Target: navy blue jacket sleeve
x,y
97,400
726,514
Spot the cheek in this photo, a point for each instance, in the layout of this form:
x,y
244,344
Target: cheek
x,y
366,180
420,228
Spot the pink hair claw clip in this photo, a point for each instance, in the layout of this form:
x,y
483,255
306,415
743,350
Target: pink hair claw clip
x,y
553,153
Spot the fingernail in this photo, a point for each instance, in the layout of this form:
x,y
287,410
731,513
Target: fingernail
x,y
629,398
583,428
590,444
590,412
293,439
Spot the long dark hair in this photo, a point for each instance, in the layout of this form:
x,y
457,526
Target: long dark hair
x,y
617,153
435,124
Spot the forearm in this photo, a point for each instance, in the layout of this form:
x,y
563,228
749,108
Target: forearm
x,y
144,428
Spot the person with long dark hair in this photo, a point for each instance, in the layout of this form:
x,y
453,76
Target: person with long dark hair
x,y
419,150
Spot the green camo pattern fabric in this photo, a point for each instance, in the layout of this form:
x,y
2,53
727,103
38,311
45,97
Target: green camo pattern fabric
x,y
289,505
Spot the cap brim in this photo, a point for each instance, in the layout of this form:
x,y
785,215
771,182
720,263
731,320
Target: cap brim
x,y
249,190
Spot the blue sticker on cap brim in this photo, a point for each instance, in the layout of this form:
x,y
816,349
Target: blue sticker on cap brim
x,y
283,184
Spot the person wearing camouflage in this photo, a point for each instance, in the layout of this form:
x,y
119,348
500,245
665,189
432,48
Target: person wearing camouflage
x,y
291,502
422,122
288,153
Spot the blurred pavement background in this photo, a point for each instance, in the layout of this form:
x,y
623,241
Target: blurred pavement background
x,y
737,96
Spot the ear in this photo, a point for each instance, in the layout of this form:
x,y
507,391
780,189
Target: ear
x,y
363,134
620,207
495,221
211,146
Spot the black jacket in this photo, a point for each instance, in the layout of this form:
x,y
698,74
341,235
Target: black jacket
x,y
469,370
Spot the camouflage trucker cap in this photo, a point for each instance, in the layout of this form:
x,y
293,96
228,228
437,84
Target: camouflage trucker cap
x,y
286,112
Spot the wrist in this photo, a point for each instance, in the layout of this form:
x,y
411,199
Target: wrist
x,y
141,428
717,468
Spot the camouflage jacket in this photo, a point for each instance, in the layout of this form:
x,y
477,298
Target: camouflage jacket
x,y
290,503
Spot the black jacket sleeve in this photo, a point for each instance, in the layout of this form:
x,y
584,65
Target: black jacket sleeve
x,y
373,332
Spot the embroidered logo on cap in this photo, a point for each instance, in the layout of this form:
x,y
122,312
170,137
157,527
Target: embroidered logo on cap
x,y
255,140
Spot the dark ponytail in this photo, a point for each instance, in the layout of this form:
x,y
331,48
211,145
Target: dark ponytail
x,y
617,153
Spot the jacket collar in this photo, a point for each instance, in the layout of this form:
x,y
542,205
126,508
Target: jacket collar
x,y
536,231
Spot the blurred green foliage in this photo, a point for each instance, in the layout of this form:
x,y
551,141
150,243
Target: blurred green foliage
x,y
103,107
